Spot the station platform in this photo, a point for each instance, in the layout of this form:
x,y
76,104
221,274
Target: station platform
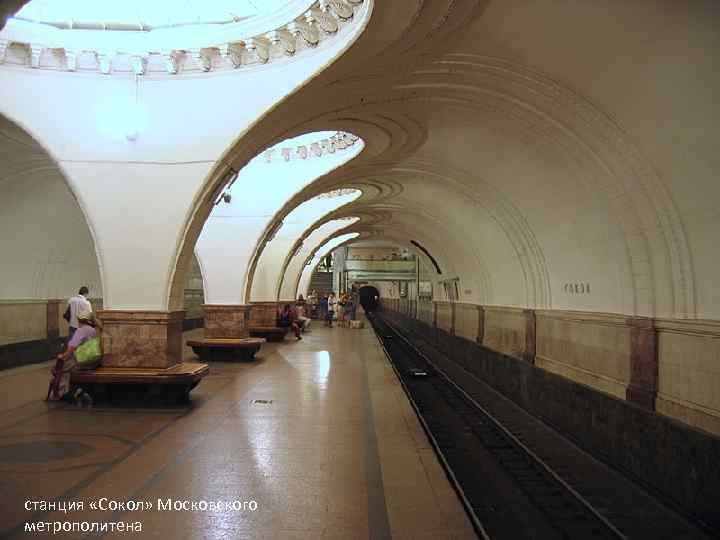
x,y
318,433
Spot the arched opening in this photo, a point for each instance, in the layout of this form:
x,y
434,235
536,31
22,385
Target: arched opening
x,y
369,298
48,249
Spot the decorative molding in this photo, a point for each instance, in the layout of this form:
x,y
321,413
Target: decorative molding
x,y
583,317
306,31
342,10
337,193
257,50
4,44
70,59
597,143
233,52
690,327
139,65
325,20
104,62
283,40
322,21
340,141
171,62
202,58
35,50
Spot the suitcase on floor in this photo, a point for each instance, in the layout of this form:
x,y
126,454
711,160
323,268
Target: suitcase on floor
x,y
356,324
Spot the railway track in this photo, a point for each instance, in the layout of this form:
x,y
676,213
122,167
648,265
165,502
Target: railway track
x,y
507,488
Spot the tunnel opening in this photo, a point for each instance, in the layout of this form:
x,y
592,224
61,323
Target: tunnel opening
x,y
369,298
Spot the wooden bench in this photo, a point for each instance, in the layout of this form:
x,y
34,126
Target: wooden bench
x,y
170,385
226,349
272,334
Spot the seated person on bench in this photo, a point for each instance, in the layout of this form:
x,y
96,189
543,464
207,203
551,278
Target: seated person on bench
x,y
302,318
66,362
288,319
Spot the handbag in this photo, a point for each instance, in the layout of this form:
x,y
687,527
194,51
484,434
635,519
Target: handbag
x,y
89,353
66,315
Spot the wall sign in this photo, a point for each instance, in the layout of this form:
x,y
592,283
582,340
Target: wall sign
x,y
577,288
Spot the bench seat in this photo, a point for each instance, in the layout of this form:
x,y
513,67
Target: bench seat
x,y
270,333
170,385
226,349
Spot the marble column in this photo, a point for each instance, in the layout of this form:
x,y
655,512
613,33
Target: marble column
x,y
148,339
229,321
643,386
263,314
530,335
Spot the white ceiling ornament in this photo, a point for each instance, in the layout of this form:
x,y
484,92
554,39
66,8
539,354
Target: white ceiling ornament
x,y
141,15
168,36
339,141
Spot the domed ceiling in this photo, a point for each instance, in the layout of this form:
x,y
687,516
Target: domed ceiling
x,y
142,16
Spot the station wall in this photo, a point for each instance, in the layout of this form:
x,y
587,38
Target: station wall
x,y
671,364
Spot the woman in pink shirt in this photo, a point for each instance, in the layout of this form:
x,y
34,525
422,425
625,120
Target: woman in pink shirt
x,y
66,362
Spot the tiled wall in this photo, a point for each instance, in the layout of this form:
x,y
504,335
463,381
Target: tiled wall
x,y
22,321
689,366
444,316
596,349
505,330
426,311
467,324
26,335
587,348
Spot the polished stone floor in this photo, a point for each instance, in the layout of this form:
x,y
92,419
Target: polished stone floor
x,y
318,433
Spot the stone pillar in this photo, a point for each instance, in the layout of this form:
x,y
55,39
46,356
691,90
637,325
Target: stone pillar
x,y
529,353
481,324
151,339
53,321
643,386
226,321
263,314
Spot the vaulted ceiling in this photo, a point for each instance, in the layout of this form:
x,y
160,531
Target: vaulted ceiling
x,y
529,146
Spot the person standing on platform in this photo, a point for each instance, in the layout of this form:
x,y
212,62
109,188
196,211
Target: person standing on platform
x,y
323,308
341,309
351,307
313,301
331,306
76,305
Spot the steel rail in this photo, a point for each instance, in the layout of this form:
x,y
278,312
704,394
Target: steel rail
x,y
532,455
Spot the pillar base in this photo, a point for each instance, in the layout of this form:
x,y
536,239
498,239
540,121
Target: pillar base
x,y
263,315
149,339
227,321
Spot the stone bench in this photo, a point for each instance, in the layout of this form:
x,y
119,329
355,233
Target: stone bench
x,y
270,333
226,349
170,385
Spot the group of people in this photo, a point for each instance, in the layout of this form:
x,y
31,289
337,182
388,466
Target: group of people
x,y
83,327
294,317
342,309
